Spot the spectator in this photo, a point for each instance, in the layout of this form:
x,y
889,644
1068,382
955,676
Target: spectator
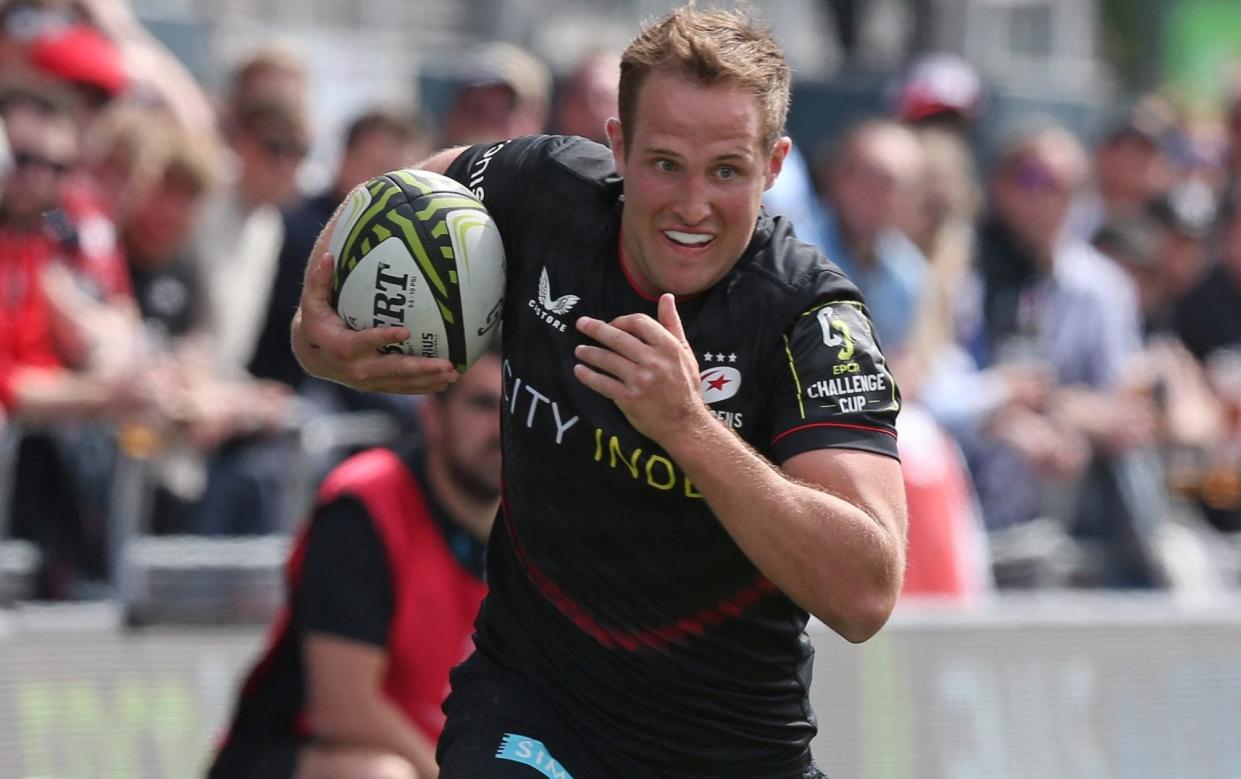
x,y
1187,215
869,186
84,59
50,373
273,74
384,583
588,97
40,209
939,91
1041,299
1190,418
1130,168
504,92
1133,243
943,229
158,223
376,142
169,174
236,253
153,75
238,242
947,555
1207,320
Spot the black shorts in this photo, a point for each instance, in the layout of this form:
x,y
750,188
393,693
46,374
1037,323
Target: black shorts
x,y
242,759
502,727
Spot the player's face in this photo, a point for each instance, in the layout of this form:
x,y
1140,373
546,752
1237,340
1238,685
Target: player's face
x,y
695,169
471,429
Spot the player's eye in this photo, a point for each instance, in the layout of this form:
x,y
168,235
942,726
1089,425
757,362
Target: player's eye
x,y
727,172
665,166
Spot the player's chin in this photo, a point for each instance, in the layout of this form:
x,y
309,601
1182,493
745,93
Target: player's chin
x,y
688,279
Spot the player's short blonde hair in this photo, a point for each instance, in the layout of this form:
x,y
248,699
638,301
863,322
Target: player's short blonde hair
x,y
711,47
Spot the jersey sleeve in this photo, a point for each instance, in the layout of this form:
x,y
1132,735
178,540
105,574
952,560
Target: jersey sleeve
x,y
346,587
504,175
833,388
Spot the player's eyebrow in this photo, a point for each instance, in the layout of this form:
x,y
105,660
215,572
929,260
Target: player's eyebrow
x,y
659,151
734,155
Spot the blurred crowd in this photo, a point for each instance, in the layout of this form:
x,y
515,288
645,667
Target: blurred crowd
x,y
1065,324
1064,320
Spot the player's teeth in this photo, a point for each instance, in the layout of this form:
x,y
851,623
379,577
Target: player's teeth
x,y
689,238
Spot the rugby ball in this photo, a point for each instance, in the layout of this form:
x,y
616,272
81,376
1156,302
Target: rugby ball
x,y
417,249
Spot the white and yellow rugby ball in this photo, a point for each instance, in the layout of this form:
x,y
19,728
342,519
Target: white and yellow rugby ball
x,y
417,249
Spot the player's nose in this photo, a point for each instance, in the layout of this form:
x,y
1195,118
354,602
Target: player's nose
x,y
692,204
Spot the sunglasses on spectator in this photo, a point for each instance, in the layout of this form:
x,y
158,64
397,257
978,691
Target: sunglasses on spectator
x,y
283,147
1033,176
24,160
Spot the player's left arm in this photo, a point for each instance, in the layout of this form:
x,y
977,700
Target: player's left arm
x,y
828,529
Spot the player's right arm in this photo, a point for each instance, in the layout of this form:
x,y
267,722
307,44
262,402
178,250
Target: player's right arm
x,y
328,348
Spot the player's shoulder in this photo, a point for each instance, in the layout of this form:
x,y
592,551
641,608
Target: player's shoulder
x,y
794,273
570,164
559,168
585,160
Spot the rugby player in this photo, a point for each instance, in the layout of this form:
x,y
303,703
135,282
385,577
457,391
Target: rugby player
x,y
698,434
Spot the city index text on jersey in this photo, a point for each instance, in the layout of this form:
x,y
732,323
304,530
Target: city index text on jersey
x,y
650,468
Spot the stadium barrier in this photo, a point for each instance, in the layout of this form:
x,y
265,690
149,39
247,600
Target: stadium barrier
x,y
1050,685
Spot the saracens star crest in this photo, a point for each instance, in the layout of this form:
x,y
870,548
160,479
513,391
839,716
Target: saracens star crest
x,y
719,382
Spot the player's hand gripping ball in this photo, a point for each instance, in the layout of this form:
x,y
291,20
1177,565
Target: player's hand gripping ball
x,y
417,249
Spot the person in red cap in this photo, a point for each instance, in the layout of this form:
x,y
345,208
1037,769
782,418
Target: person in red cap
x,y
941,90
86,59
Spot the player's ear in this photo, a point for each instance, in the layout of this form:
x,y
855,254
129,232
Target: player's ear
x,y
778,154
616,140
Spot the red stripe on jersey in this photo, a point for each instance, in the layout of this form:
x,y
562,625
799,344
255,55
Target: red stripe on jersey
x,y
868,428
654,638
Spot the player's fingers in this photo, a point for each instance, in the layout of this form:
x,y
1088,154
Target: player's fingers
x,y
670,319
645,329
603,384
402,374
614,338
604,360
421,387
373,339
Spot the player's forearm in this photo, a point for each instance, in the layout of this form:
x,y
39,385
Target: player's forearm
x,y
372,721
831,557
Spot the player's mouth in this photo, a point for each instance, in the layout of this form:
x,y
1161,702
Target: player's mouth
x,y
689,240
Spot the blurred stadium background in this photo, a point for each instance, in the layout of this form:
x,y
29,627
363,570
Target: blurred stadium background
x,y
1052,681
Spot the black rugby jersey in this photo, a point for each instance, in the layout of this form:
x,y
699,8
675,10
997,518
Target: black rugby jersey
x,y
613,586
